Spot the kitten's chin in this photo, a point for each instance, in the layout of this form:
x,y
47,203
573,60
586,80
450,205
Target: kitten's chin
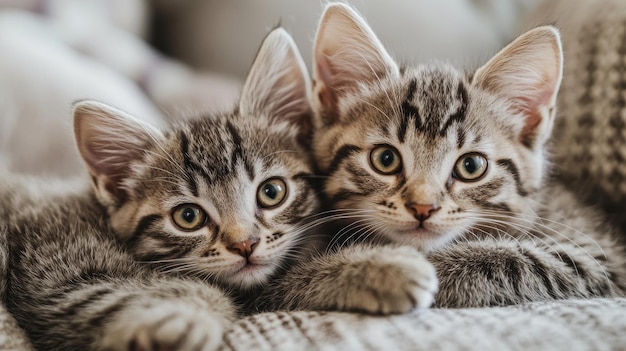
x,y
249,275
422,238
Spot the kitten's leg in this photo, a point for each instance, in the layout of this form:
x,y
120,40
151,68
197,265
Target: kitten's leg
x,y
380,280
490,272
126,314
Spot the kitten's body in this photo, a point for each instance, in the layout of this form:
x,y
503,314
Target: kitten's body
x,y
71,286
136,263
454,165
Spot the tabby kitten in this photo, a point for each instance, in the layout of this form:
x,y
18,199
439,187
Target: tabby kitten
x,y
455,166
214,200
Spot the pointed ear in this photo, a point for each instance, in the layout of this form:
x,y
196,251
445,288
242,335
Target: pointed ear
x,y
346,53
528,74
278,84
109,141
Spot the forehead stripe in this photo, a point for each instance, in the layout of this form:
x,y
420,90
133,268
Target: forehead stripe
x,y
459,115
189,165
238,151
409,112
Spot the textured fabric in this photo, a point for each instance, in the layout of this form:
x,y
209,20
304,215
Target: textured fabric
x,y
598,324
11,336
590,132
591,144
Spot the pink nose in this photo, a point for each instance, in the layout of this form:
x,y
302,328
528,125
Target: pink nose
x,y
244,248
422,212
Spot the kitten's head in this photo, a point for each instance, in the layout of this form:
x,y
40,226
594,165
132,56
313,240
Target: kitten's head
x,y
426,154
220,196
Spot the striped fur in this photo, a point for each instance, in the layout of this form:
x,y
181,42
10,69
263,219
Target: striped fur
x,y
110,269
507,237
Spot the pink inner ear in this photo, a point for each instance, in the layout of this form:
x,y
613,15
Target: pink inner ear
x,y
327,95
114,188
109,163
531,108
113,173
527,137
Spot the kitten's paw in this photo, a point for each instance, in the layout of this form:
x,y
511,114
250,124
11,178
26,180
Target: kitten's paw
x,y
386,280
167,328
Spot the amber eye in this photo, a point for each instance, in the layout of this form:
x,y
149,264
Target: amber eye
x,y
385,160
470,167
271,193
189,217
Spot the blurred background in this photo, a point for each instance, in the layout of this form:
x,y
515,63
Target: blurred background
x,y
166,59
224,35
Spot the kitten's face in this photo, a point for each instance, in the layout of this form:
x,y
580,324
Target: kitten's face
x,y
221,197
424,155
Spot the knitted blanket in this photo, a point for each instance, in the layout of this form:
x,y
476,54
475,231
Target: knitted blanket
x,y
594,324
597,324
590,131
591,144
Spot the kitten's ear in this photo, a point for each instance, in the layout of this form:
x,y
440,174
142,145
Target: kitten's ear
x,y
278,84
109,142
346,53
528,74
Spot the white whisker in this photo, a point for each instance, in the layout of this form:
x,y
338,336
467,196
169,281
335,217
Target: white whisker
x,y
533,225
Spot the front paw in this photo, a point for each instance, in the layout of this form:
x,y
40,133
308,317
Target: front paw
x,y
385,280
166,328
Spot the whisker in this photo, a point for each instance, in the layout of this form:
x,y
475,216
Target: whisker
x,y
532,238
569,240
347,230
528,219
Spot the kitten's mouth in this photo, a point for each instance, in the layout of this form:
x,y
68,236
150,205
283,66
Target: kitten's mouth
x,y
421,233
250,265
420,228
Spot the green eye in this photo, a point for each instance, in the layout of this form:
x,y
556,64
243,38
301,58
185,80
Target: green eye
x,y
470,167
271,193
189,217
385,160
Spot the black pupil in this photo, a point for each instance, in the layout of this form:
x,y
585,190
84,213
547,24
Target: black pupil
x,y
470,165
189,215
270,191
387,158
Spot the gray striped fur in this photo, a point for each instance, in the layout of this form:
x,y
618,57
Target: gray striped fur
x,y
511,236
108,269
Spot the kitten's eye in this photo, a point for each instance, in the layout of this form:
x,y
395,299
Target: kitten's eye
x,y
385,160
271,193
470,167
189,217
